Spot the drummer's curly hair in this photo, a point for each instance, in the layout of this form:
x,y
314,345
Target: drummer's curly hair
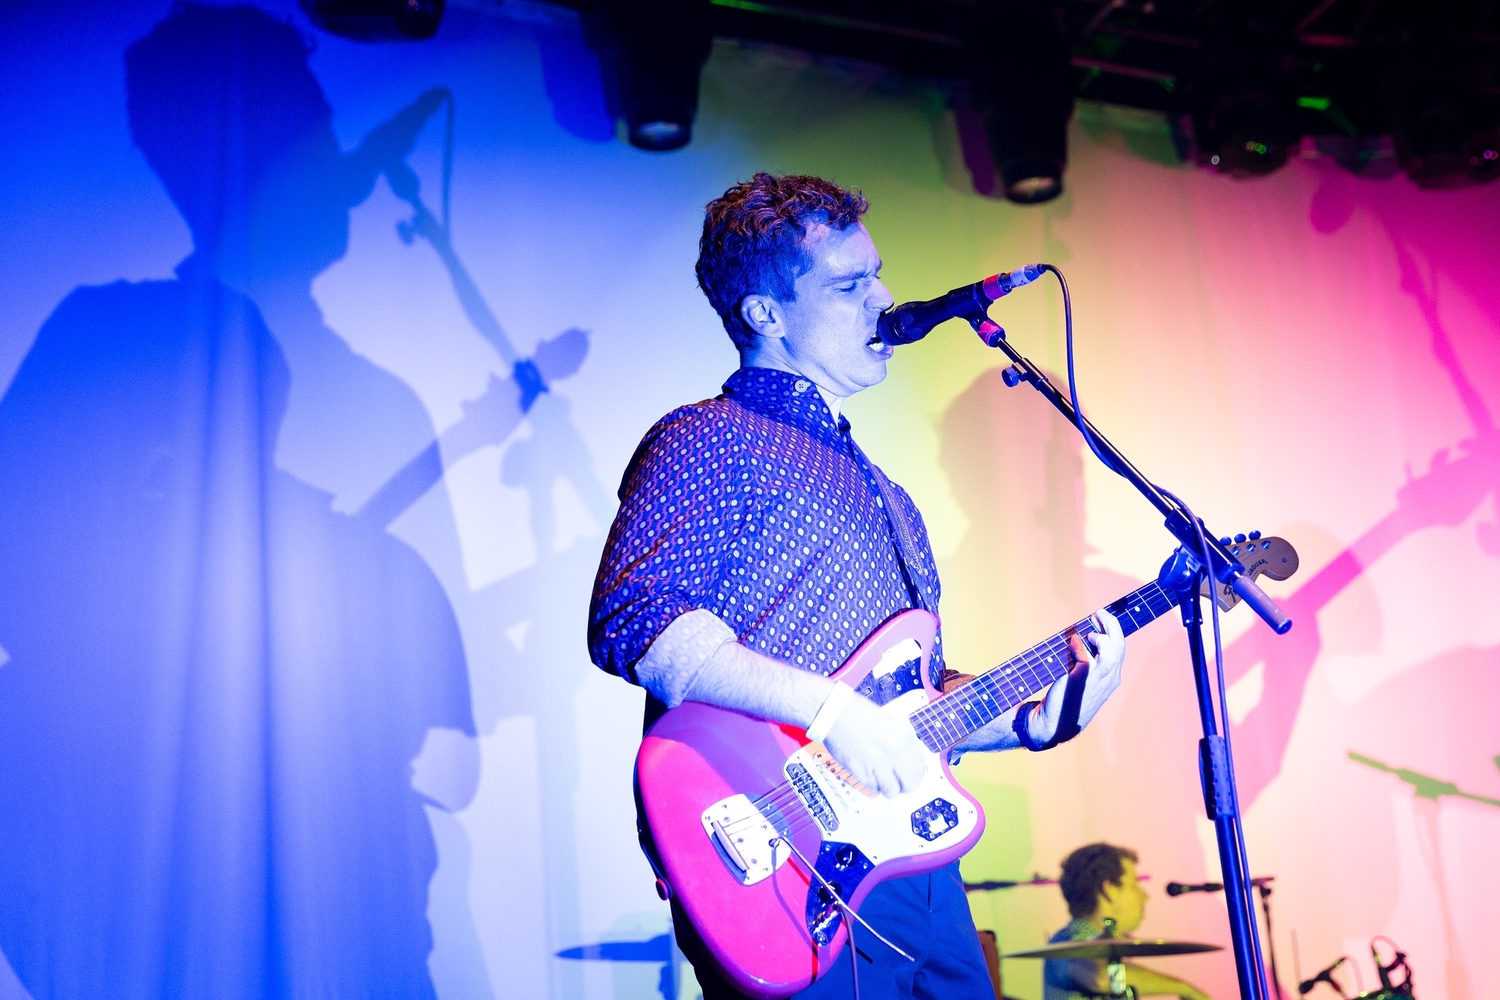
x,y
752,240
1085,871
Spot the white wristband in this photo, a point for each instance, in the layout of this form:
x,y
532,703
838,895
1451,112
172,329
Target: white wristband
x,y
833,706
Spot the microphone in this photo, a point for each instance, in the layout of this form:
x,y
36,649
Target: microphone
x,y
1178,888
384,148
1326,976
911,321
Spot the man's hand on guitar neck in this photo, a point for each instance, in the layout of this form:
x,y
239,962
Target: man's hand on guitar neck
x,y
1071,702
1075,698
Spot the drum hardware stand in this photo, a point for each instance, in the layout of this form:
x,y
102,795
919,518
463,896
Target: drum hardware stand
x,y
1118,988
1185,574
1263,886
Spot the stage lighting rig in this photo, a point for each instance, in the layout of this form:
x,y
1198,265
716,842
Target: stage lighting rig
x,y
1023,85
376,20
652,54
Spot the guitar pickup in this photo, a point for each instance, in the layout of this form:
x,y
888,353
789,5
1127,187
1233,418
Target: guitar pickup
x,y
742,836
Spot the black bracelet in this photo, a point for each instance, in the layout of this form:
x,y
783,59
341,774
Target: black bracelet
x,y
1020,726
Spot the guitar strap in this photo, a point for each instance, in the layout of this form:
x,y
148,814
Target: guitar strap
x,y
897,522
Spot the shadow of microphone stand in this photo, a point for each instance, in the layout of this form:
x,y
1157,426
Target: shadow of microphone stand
x,y
491,418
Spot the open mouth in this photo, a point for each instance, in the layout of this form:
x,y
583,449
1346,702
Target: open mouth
x,y
879,346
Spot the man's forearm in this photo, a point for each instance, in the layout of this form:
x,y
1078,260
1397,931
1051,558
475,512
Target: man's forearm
x,y
697,658
741,679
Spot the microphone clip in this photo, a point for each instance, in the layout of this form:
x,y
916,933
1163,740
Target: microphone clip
x,y
990,332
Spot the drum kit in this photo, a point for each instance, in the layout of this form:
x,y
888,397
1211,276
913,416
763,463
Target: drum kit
x,y
1114,951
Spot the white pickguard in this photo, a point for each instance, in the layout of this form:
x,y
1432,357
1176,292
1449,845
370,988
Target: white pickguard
x,y
932,818
881,827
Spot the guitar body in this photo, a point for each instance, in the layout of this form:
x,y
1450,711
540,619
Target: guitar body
x,y
717,787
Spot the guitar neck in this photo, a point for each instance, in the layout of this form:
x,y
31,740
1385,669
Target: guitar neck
x,y
949,719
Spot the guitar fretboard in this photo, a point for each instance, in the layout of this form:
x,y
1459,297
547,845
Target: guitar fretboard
x,y
947,720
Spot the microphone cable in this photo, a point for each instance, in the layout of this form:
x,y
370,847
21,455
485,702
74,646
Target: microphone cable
x,y
1202,554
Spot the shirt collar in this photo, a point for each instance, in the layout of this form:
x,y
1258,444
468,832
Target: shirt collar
x,y
785,397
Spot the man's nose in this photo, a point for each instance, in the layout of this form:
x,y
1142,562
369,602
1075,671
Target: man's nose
x,y
880,298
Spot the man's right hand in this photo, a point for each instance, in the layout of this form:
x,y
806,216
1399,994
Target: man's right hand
x,y
880,750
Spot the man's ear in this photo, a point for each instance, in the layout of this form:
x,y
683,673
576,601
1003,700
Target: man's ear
x,y
763,315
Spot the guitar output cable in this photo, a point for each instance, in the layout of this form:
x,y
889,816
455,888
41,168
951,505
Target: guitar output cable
x,y
843,908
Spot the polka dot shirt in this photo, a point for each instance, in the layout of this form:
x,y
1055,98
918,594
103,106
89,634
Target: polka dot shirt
x,y
756,506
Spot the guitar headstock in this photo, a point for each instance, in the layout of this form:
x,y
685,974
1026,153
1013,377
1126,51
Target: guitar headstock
x,y
1273,557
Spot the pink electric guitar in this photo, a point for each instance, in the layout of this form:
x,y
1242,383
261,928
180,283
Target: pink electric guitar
x,y
740,809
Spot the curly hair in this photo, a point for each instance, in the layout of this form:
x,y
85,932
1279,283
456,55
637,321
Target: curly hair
x,y
1085,871
752,240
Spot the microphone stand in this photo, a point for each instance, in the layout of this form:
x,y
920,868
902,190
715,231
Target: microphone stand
x,y
1185,574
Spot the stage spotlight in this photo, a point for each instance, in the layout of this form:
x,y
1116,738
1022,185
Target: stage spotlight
x,y
1446,138
1483,148
1023,87
1444,93
1246,132
376,20
1240,96
652,54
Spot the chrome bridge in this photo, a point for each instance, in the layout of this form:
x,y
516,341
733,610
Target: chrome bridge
x,y
746,840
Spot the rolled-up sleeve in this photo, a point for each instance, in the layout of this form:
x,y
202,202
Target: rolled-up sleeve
x,y
685,502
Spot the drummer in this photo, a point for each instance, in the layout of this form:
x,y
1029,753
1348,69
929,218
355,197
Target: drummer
x,y
1099,883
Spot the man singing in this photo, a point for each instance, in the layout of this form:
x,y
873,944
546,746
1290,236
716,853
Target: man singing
x,y
756,546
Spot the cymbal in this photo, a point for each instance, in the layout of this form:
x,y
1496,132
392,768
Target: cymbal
x,y
1114,948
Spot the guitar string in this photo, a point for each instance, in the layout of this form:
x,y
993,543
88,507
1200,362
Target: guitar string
x,y
936,723
1148,603
782,795
1027,664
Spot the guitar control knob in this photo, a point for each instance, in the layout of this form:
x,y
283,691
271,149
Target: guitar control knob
x,y
1254,536
1225,540
1239,538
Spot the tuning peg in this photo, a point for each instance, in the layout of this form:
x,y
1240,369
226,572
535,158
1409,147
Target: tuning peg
x,y
1225,540
1239,538
1254,536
